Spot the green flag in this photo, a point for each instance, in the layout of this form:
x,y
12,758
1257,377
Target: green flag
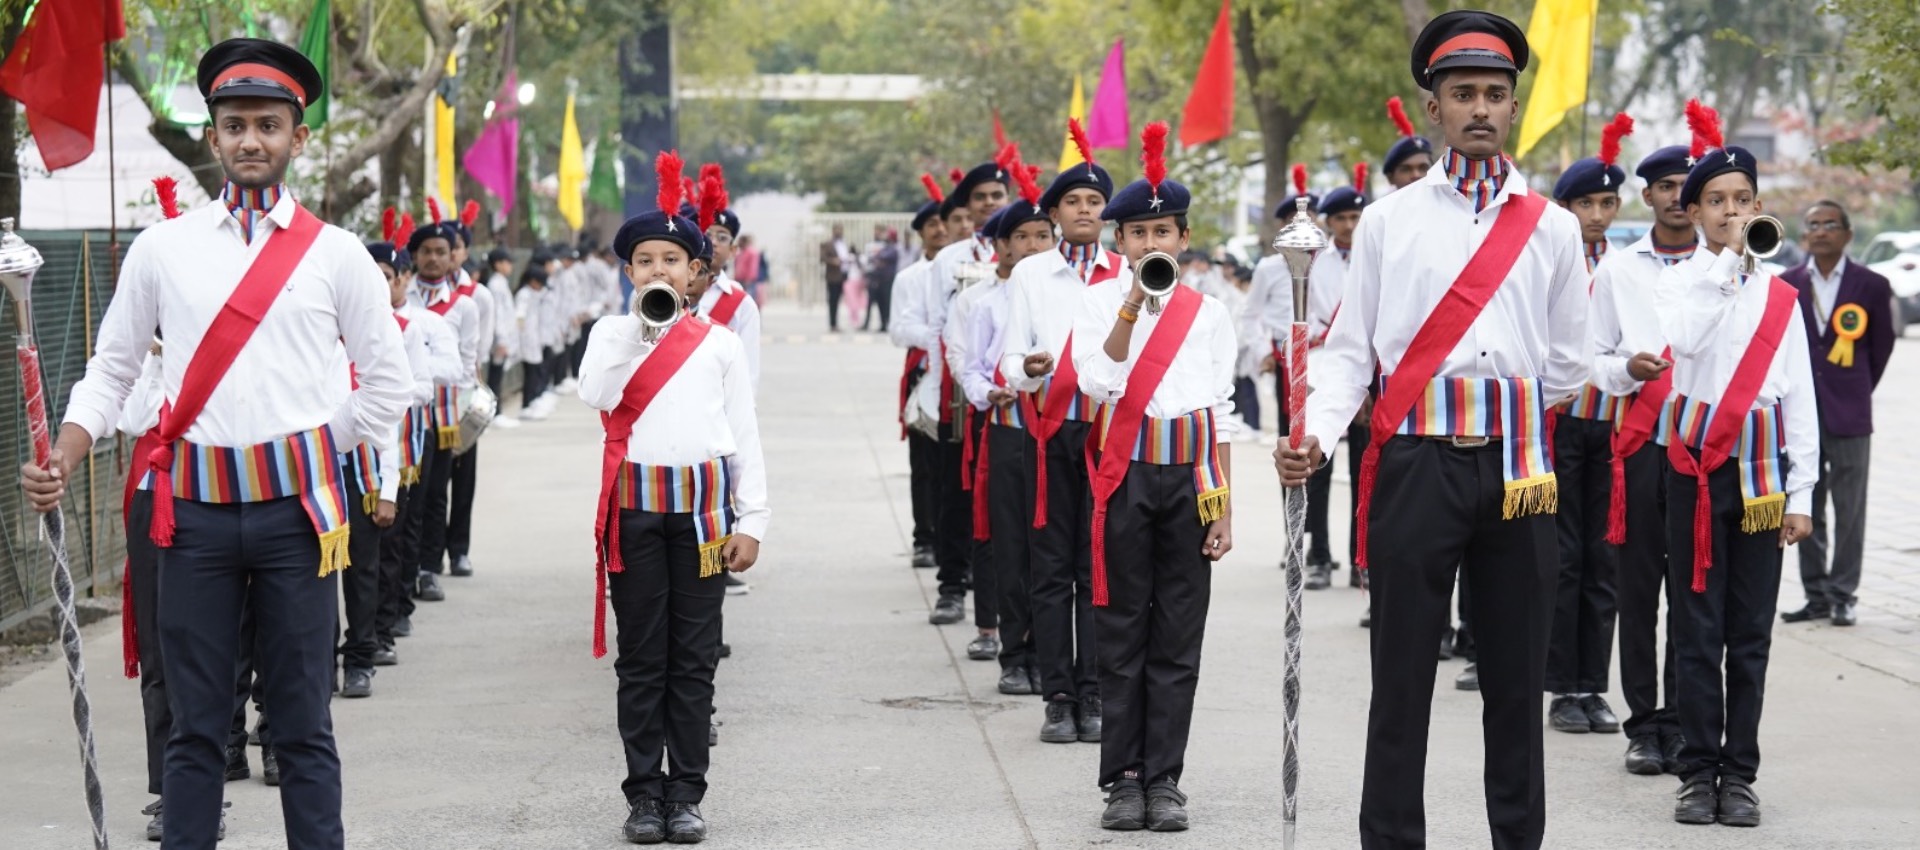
x,y
317,44
603,187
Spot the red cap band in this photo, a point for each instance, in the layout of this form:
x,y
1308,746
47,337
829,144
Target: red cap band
x,y
1471,41
267,72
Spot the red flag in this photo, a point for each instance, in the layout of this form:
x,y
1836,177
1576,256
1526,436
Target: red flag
x,y
55,71
1209,112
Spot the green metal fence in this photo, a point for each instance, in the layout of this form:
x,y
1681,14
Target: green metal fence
x,y
69,295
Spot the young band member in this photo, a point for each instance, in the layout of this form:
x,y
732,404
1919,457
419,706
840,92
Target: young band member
x,y
466,465
436,288
506,331
1745,451
1462,286
1410,157
956,345
243,384
683,497
725,301
1037,356
1340,209
918,394
530,315
1164,369
1582,643
1630,361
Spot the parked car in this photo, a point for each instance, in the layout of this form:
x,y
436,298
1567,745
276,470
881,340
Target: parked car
x,y
1896,255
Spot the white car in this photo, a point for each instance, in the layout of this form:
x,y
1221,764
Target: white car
x,y
1896,255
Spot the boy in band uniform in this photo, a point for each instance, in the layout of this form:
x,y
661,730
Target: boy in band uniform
x,y
957,346
436,288
1340,210
917,403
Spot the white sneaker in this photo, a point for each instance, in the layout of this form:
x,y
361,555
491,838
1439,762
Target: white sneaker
x,y
507,422
534,412
569,385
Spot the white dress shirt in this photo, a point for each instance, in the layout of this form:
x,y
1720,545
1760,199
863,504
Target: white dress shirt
x,y
704,411
745,323
1045,302
1623,318
463,316
1826,288
506,324
530,313
439,345
1326,280
957,335
603,298
424,365
483,299
1269,311
1201,374
177,276
141,413
985,333
945,274
1709,318
1410,247
912,325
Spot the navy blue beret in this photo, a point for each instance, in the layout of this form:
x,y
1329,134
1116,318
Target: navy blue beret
x,y
1343,199
1715,163
1586,177
1083,176
1018,213
986,172
1139,200
1405,149
927,211
652,225
436,230
1664,162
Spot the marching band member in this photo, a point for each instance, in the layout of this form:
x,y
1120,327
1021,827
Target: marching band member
x,y
436,288
725,301
1340,210
919,381
956,345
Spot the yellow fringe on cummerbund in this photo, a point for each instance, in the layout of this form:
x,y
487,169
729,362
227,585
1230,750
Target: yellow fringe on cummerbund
x,y
410,476
1213,505
333,551
1764,514
449,436
370,502
712,562
1531,497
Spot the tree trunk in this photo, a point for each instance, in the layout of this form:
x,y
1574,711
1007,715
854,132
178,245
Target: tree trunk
x,y
1278,124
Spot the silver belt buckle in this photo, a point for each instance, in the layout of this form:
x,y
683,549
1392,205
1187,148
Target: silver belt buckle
x,y
1469,442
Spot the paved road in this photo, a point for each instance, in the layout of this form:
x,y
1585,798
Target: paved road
x,y
852,723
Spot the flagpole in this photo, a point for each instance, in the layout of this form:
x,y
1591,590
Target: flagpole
x,y
1586,100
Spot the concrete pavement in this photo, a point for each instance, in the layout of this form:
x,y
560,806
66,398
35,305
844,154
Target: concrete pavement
x,y
850,722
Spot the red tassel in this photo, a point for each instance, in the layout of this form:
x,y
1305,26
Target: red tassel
x,y
1369,470
167,191
966,448
1702,533
161,463
982,523
1098,534
1039,479
1617,503
129,629
933,188
600,612
1621,125
470,213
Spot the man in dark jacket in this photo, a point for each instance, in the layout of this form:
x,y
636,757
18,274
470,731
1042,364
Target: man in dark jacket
x,y
1851,332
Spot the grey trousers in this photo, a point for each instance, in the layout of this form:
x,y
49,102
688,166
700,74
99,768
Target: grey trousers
x,y
1843,474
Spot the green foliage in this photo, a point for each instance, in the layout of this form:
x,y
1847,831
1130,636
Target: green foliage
x,y
1883,80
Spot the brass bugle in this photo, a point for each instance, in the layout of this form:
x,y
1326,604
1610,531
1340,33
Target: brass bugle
x,y
1159,273
658,306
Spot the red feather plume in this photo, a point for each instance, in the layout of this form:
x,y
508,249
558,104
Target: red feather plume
x,y
167,190
1705,124
666,168
1026,178
1360,177
1079,135
1621,125
1398,112
388,221
470,213
933,188
404,231
433,209
713,195
955,176
1299,178
1153,153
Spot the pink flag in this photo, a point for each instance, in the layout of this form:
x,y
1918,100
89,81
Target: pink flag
x,y
494,159
1108,125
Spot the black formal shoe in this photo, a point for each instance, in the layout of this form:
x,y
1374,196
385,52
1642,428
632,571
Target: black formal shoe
x,y
1600,716
713,733
1469,679
644,824
1319,576
1366,619
726,649
1696,803
1809,612
951,609
429,589
269,766
1739,805
359,683
237,764
1356,577
1567,715
1090,720
155,828
253,737
1166,807
985,648
403,627
1446,646
1126,806
1060,727
1643,756
385,657
684,824
1014,682
737,586
461,568
1843,614
923,558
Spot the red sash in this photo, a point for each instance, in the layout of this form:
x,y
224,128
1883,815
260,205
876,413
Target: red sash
x,y
916,357
454,294
729,303
660,366
263,282
1060,393
982,528
402,320
1129,413
1728,418
129,630
1441,331
1636,428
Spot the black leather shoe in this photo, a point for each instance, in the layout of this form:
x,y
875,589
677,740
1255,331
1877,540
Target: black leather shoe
x,y
1060,727
403,627
1090,720
385,657
1643,756
949,610
726,649
237,764
1166,807
359,683
1469,679
1015,681
713,733
461,568
1670,747
269,766
923,558
1809,612
1696,803
1356,577
1843,614
429,590
1446,646
644,824
1126,806
1319,576
985,648
155,828
1366,619
1600,716
1739,805
1566,715
684,824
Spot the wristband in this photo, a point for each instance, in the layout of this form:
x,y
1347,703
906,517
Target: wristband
x,y
1129,314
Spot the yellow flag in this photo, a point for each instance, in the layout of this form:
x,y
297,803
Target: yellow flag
x,y
443,143
1561,35
1070,153
573,171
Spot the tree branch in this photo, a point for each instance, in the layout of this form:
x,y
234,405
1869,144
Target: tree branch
x,y
172,135
400,115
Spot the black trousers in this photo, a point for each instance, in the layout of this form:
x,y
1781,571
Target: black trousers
x,y
834,291
1149,633
1319,488
496,377
1437,508
576,351
436,476
923,456
533,382
414,520
557,361
1646,672
1010,511
980,563
668,640
1061,567
1734,618
360,584
143,561
460,510
1584,603
879,300
953,537
399,567
1282,425
1246,402
262,555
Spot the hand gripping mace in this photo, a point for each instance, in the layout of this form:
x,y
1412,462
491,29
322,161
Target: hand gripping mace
x,y
18,263
1298,243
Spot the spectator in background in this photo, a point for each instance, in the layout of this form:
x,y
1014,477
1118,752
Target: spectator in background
x,y
839,261
1246,396
749,267
882,262
505,334
1850,331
